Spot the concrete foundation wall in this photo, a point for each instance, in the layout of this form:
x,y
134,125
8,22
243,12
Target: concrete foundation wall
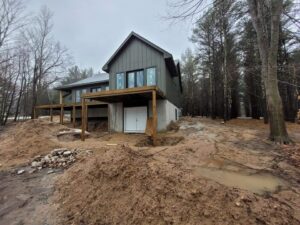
x,y
116,117
165,113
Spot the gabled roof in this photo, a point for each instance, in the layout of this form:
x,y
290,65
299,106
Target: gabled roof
x,y
132,35
95,79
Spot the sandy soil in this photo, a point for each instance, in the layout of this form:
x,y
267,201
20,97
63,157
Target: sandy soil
x,y
204,173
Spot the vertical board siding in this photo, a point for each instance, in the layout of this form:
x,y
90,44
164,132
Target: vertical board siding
x,y
137,55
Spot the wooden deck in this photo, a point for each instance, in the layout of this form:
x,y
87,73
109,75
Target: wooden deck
x,y
108,96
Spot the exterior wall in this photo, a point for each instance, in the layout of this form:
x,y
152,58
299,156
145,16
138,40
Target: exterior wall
x,y
70,98
116,116
173,92
138,55
165,113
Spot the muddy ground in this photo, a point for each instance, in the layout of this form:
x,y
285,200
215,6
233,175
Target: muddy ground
x,y
203,173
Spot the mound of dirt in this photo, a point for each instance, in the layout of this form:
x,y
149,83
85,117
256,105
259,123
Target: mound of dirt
x,y
23,140
123,186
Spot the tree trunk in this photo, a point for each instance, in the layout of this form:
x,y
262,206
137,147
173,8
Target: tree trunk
x,y
268,49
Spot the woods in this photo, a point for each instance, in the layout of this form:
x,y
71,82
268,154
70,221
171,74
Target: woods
x,y
31,60
245,61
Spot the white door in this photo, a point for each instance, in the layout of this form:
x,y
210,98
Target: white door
x,y
135,119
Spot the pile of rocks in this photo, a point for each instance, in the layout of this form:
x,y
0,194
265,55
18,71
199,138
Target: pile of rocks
x,y
58,158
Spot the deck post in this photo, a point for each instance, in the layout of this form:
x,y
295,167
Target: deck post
x,y
60,97
86,118
34,113
74,115
154,119
51,114
62,114
83,119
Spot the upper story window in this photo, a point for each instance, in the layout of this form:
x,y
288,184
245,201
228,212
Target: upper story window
x,y
120,80
151,76
135,79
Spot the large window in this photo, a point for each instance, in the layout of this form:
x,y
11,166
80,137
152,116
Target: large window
x,y
120,81
140,78
131,79
151,76
135,79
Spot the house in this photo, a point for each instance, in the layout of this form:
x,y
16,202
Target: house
x,y
71,94
145,88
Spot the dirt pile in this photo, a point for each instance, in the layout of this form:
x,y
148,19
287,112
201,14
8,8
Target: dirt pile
x,y
123,186
22,141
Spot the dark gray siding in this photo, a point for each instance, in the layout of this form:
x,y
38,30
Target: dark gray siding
x,y
173,92
138,55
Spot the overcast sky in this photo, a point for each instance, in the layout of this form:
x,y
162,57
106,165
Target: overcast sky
x,y
93,29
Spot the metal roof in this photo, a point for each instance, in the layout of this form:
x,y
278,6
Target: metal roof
x,y
95,79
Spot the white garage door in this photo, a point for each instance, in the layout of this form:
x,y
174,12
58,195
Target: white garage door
x,y
135,119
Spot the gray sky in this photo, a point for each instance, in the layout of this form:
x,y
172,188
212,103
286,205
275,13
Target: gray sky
x,y
93,29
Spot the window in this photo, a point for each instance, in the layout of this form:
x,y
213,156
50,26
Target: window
x,y
96,89
120,81
131,80
135,79
140,78
78,94
151,76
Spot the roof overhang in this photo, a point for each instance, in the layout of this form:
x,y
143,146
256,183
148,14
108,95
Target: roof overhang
x,y
124,95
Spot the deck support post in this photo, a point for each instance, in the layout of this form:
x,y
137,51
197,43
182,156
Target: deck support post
x,y
86,118
34,113
51,114
83,119
62,114
154,119
74,115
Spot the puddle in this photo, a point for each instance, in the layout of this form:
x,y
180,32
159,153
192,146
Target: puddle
x,y
256,183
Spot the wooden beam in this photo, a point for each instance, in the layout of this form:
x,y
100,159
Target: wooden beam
x,y
34,113
74,115
83,119
86,117
61,114
51,114
126,91
60,97
154,119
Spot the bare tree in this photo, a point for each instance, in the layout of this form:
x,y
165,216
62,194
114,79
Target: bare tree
x,y
265,16
266,21
48,57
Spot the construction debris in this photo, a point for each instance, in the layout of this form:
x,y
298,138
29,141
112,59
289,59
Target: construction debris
x,y
58,158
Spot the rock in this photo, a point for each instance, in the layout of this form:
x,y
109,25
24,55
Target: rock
x,y
47,159
20,172
36,164
39,168
67,153
50,171
238,204
58,151
32,171
0,164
